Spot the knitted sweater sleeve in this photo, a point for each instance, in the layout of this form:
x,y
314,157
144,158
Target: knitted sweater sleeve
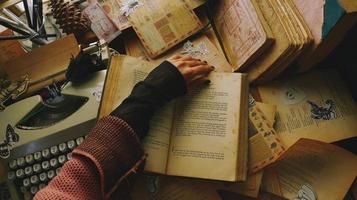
x,y
97,168
112,150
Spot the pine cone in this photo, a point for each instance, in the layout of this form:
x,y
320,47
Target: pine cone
x,y
69,17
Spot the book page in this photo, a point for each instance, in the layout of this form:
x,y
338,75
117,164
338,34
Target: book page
x,y
264,144
317,105
240,29
161,24
198,47
205,132
123,74
318,169
123,20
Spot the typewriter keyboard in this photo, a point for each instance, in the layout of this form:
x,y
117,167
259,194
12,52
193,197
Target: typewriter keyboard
x,y
32,172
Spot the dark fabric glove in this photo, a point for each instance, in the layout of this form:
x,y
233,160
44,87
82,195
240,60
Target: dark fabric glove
x,y
162,85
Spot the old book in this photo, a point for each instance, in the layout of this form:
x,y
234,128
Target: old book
x,y
317,105
292,37
251,186
160,187
242,30
316,170
299,32
206,128
156,24
339,17
282,46
313,14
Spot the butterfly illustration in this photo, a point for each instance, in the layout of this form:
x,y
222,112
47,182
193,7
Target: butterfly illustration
x,y
11,137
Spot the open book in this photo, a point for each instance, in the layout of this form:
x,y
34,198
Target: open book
x,y
202,135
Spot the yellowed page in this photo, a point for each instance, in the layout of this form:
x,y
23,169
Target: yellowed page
x,y
161,24
318,169
268,110
304,109
123,74
240,29
205,133
279,50
210,54
124,22
264,144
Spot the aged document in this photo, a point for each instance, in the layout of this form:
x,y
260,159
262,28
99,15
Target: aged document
x,y
162,24
199,47
317,105
113,10
317,169
101,24
242,29
123,21
265,146
206,128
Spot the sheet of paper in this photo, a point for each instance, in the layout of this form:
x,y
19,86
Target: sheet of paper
x,y
251,186
206,130
124,22
240,30
161,24
264,144
101,25
112,8
200,47
317,169
317,105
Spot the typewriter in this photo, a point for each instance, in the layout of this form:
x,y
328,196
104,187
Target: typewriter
x,y
36,139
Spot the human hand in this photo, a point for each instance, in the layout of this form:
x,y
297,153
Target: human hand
x,y
194,71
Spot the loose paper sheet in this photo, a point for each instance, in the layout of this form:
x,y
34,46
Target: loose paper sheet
x,y
101,25
161,24
317,105
209,53
264,144
317,169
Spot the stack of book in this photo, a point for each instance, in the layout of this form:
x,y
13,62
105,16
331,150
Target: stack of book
x,y
272,144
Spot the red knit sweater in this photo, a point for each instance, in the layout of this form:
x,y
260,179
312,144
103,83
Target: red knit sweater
x,y
110,153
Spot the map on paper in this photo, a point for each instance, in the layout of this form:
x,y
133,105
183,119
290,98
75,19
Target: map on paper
x,y
240,29
162,24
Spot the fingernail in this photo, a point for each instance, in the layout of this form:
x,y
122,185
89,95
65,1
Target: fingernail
x,y
207,82
213,68
205,62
